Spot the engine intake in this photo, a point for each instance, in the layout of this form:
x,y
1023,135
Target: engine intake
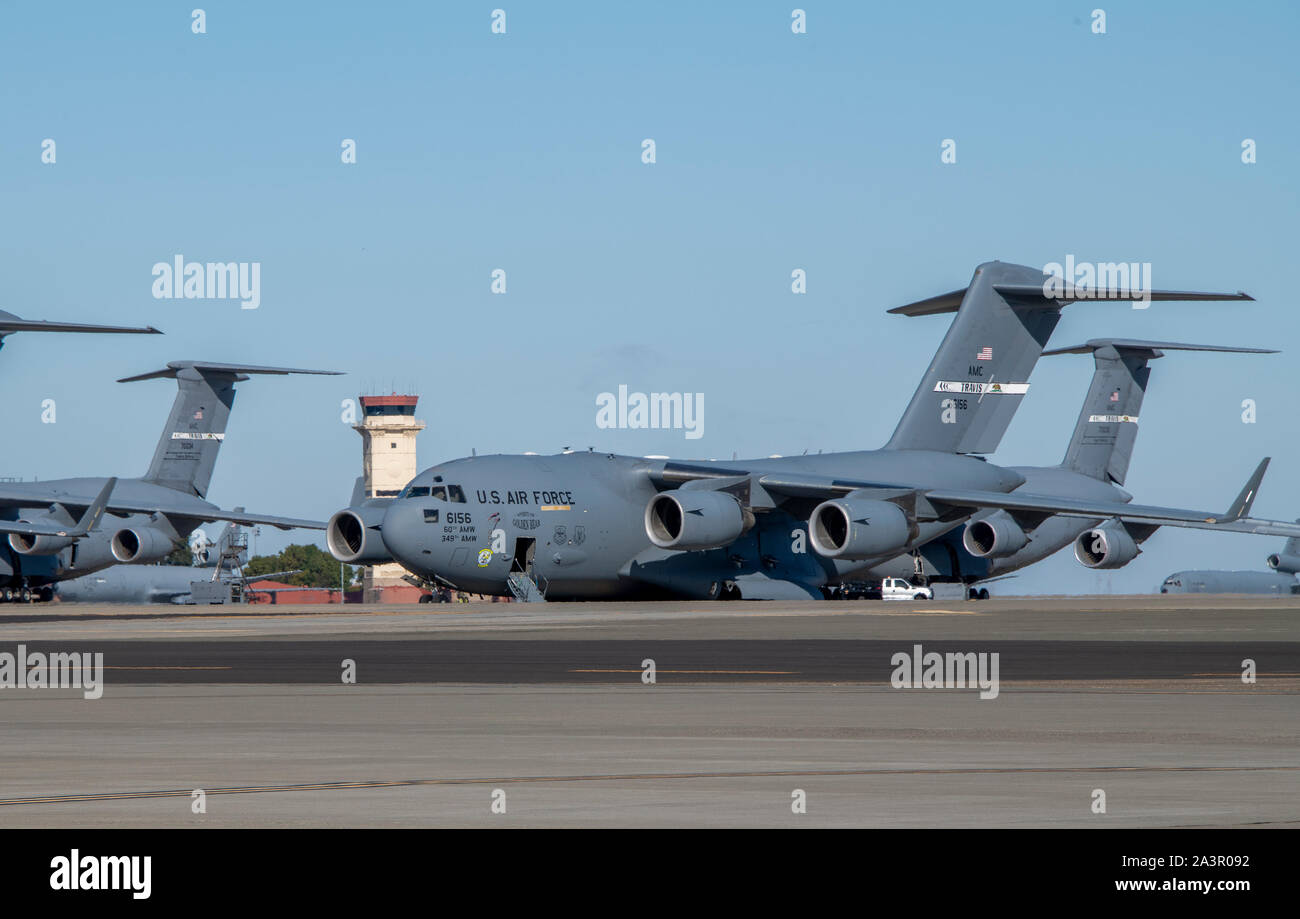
x,y
1106,546
138,545
1287,564
689,519
28,544
995,536
354,536
853,528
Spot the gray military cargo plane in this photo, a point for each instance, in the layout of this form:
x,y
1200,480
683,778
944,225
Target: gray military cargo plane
x,y
144,518
1281,581
1095,466
216,564
601,526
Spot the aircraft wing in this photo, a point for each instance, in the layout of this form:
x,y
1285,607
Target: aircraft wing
x,y
36,529
1130,513
31,494
947,500
252,520
271,575
89,520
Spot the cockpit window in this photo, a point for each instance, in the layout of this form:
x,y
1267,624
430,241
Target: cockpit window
x,y
455,495
417,491
438,492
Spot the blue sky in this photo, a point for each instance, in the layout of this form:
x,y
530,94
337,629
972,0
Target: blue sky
x,y
521,151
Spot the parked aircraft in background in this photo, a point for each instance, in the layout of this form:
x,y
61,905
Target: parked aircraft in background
x,y
146,517
1095,466
1281,580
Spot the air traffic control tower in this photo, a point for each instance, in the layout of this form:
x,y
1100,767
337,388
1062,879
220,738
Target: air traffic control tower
x,y
388,429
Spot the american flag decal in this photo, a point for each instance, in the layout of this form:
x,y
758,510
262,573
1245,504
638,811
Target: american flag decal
x,y
986,354
198,416
1114,397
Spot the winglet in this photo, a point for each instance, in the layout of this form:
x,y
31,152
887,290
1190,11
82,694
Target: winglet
x,y
90,519
1241,506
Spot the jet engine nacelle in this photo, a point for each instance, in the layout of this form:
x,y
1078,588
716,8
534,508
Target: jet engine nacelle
x,y
92,552
1106,546
354,537
139,545
690,519
996,536
854,528
27,544
1287,564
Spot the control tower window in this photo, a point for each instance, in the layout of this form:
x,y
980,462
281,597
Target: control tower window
x,y
455,495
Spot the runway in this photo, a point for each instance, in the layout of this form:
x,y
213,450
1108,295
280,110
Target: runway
x,y
456,709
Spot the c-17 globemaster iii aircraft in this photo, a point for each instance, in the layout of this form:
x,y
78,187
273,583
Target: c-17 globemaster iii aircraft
x,y
1095,466
601,526
1280,581
143,519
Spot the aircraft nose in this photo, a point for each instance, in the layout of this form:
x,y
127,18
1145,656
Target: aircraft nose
x,y
403,531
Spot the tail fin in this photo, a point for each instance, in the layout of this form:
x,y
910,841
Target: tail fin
x,y
981,371
1102,443
187,450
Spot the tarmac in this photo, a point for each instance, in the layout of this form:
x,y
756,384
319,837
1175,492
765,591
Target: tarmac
x,y
759,714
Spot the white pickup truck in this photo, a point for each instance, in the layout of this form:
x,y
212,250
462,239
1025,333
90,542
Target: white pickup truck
x,y
899,589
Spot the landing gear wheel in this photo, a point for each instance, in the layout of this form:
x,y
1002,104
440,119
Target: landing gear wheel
x,y
46,594
26,595
7,595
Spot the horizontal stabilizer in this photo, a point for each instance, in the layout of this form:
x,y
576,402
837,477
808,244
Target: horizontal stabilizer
x,y
10,323
1035,295
203,367
1134,344
943,303
1072,294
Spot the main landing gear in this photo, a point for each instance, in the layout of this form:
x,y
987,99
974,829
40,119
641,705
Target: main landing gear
x,y
25,594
